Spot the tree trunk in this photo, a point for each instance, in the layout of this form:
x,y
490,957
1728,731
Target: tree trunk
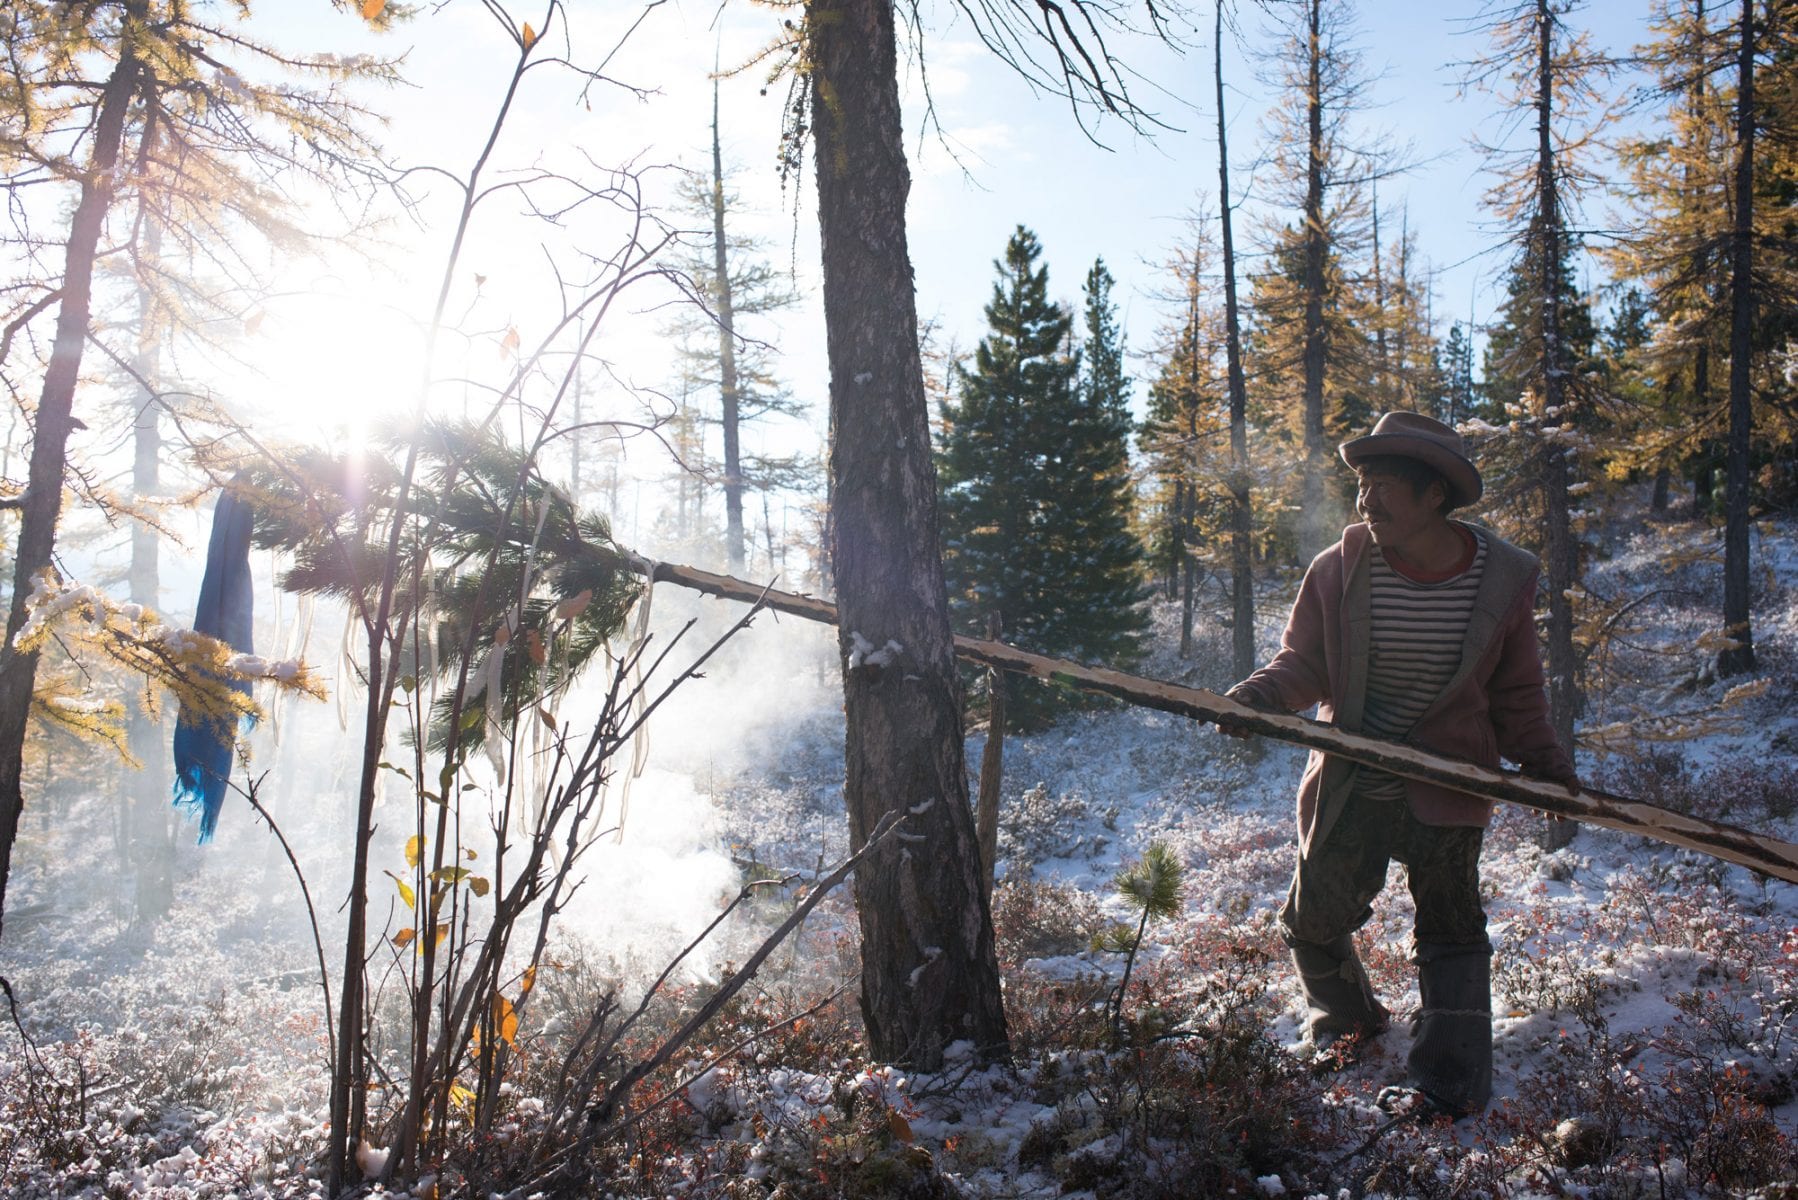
x,y
1189,587
1404,389
1701,272
1316,529
1177,569
992,768
1189,514
929,973
1382,360
1561,557
728,388
1739,658
1242,580
151,838
52,424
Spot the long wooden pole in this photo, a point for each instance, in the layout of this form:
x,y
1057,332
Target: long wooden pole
x,y
1757,852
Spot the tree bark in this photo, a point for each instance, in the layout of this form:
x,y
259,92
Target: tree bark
x,y
1315,527
1242,582
992,769
1189,512
1561,556
1382,358
929,972
52,424
1739,658
729,390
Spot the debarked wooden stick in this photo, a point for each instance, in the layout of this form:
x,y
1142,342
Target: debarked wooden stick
x,y
1757,852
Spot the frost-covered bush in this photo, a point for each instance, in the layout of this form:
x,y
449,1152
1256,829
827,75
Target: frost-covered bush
x,y
1039,826
1041,919
1738,790
1201,1102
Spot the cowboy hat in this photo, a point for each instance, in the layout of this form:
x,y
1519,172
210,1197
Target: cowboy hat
x,y
1413,435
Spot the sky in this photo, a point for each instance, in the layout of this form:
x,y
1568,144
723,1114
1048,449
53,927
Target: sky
x,y
998,154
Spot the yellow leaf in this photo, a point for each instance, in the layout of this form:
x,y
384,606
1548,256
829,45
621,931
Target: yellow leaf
x,y
372,9
462,1098
510,343
253,324
505,1020
533,644
478,885
415,846
405,888
530,981
899,1125
442,932
548,718
404,937
530,36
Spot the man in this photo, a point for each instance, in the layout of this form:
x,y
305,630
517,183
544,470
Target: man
x,y
1419,628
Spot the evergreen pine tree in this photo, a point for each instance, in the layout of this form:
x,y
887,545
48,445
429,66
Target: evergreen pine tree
x,y
1035,485
1455,402
1100,559
1512,364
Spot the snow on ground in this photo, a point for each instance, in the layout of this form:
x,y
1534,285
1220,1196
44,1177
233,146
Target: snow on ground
x,y
1646,997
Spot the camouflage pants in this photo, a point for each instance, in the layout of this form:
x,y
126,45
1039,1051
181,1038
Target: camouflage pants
x,y
1332,896
1334,886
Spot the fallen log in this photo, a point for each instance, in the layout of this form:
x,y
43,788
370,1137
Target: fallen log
x,y
1757,852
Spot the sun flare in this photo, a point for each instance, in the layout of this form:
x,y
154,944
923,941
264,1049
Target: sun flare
x,y
333,360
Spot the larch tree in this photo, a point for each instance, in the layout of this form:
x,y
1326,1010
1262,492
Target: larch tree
x,y
1184,438
1757,37
1404,343
1307,334
134,100
721,354
1242,512
1675,245
1542,68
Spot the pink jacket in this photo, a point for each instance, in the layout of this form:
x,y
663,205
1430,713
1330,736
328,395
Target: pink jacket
x,y
1493,705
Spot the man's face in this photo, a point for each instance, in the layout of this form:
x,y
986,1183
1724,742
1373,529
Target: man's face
x,y
1393,512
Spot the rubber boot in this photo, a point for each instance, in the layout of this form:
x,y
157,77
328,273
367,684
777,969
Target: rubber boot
x,y
1337,992
1451,1047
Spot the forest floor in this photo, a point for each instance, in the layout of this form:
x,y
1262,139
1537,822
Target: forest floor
x,y
1646,998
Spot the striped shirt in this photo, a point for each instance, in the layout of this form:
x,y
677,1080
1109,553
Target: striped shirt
x,y
1416,635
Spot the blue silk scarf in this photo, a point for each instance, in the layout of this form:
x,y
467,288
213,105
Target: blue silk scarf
x,y
226,611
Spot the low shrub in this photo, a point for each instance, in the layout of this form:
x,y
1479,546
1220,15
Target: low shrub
x,y
1036,919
